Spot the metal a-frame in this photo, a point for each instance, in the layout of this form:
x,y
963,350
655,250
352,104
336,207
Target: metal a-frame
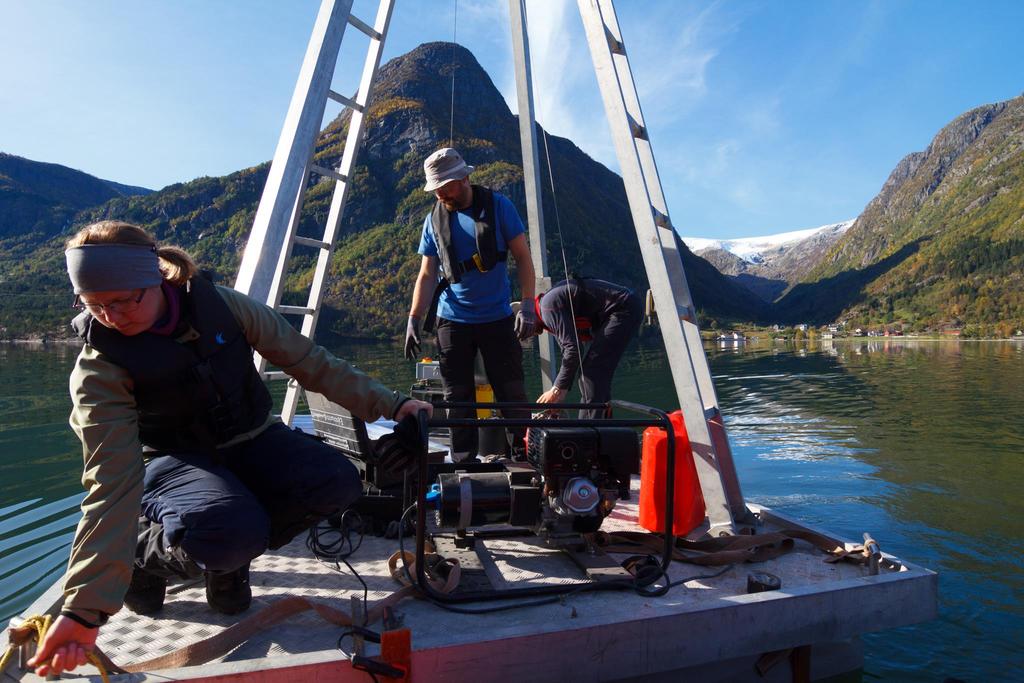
x,y
273,235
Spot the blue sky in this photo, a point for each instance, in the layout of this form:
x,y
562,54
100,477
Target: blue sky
x,y
765,116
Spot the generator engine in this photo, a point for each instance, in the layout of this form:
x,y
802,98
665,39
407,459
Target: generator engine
x,y
569,483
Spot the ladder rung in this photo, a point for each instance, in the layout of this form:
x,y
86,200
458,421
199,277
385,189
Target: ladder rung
x,y
364,27
635,129
614,44
329,172
346,101
275,375
295,310
309,242
661,220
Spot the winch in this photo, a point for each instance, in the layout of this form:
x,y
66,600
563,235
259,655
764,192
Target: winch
x,y
568,483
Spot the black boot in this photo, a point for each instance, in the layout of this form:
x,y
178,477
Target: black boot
x,y
229,592
145,593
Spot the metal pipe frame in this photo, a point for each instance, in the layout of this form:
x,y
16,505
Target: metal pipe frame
x,y
421,580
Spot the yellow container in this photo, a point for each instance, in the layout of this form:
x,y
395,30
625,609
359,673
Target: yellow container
x,y
484,394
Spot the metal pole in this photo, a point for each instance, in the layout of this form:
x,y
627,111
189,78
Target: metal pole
x,y
531,172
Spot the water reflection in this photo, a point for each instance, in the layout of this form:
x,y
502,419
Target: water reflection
x,y
919,442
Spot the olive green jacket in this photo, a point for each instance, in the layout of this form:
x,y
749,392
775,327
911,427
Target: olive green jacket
x,y
104,418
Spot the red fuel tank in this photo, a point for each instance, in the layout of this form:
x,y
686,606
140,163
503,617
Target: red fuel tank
x,y
688,503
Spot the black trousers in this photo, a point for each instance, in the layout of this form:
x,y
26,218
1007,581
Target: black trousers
x,y
216,512
605,352
503,363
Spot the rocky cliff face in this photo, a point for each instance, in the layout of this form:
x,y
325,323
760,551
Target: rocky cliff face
x,y
943,241
919,180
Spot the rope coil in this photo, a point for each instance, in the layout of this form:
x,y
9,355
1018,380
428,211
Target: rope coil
x,y
35,628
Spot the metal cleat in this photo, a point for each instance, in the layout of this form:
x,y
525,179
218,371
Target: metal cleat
x,y
20,638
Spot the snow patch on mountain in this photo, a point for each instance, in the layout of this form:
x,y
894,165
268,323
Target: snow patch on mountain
x,y
754,249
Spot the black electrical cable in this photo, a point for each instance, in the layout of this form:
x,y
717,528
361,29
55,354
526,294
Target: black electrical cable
x,y
324,547
658,591
638,583
334,551
582,588
401,544
348,656
723,570
366,591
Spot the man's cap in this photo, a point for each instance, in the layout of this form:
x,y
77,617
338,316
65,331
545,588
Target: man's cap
x,y
444,166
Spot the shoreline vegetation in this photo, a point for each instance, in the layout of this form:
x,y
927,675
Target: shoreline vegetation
x,y
746,335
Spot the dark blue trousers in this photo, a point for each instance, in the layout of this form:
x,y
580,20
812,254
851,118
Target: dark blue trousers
x,y
217,511
605,352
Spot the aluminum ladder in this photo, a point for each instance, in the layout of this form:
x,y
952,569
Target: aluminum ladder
x,y
677,316
264,263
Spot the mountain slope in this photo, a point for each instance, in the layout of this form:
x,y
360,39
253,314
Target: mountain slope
x,y
769,265
373,269
943,241
40,198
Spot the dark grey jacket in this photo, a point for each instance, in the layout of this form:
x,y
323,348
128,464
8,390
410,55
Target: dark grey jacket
x,y
579,307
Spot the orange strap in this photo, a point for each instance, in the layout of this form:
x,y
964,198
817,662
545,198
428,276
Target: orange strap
x,y
209,649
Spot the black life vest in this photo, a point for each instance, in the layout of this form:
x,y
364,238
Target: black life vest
x,y
195,391
482,211
487,256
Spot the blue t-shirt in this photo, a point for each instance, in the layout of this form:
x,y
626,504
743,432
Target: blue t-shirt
x,y
479,297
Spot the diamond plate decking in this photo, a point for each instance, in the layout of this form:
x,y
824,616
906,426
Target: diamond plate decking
x,y
591,636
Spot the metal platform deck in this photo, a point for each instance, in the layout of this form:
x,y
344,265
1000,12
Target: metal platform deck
x,y
708,629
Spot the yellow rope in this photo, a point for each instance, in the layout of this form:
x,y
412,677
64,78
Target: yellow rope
x,y
40,624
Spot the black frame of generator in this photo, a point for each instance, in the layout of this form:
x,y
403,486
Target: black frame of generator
x,y
658,418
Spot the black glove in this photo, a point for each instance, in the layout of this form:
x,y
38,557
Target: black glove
x,y
526,321
412,338
397,452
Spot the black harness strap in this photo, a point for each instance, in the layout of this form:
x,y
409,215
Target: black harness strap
x,y
487,255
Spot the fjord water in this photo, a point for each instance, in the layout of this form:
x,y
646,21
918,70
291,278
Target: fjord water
x,y
920,443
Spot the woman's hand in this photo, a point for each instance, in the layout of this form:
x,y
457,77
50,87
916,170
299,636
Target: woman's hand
x,y
411,407
64,647
552,395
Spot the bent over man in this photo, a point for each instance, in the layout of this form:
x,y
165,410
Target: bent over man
x,y
467,239
588,310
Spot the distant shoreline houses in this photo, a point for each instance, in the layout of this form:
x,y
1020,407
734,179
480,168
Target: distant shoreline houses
x,y
805,331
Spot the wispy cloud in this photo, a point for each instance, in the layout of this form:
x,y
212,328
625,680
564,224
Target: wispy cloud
x,y
670,51
761,117
682,48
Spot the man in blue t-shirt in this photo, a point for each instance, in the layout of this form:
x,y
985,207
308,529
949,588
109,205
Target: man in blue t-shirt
x,y
465,243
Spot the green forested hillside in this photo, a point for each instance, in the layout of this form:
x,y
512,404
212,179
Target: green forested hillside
x,y
39,200
942,245
375,262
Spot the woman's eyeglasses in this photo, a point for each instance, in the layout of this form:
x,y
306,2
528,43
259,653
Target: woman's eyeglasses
x,y
128,305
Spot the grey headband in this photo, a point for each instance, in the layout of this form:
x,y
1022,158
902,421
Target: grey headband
x,y
112,267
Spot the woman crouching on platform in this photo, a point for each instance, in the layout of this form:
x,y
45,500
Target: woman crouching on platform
x,y
188,474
